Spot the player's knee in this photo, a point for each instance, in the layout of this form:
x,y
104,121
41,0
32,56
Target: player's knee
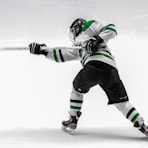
x,y
76,94
79,87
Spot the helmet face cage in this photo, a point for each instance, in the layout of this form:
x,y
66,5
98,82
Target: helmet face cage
x,y
76,27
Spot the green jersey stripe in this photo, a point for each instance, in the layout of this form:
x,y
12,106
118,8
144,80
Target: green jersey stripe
x,y
112,29
87,25
55,55
135,117
97,53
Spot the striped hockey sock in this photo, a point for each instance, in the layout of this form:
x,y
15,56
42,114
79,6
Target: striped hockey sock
x,y
129,111
132,115
75,104
76,101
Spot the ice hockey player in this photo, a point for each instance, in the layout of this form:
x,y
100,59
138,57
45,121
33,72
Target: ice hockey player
x,y
99,67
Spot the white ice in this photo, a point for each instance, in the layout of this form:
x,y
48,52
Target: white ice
x,y
34,92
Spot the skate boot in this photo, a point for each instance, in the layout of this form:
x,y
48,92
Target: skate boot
x,y
141,127
70,125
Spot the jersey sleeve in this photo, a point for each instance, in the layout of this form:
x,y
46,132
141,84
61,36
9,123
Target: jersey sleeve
x,y
63,55
108,32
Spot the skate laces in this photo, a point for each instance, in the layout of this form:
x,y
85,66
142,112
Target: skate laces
x,y
77,115
140,123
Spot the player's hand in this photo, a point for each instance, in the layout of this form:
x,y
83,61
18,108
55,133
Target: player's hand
x,y
93,44
35,48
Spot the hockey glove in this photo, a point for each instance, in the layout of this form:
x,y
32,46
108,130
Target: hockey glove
x,y
35,48
93,44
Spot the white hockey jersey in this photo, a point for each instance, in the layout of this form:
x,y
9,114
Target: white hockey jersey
x,y
90,30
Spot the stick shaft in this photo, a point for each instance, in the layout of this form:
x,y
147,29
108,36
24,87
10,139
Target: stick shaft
x,y
45,48
13,48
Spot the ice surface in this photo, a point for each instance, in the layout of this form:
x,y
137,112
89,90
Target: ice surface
x,y
34,96
46,137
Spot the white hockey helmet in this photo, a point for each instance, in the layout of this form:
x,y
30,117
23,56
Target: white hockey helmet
x,y
76,27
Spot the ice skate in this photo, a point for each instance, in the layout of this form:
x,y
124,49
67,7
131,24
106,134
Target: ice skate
x,y
141,127
70,125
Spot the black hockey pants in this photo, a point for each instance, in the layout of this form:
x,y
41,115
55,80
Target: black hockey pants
x,y
96,72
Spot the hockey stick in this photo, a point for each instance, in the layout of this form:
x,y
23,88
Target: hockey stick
x,y
44,48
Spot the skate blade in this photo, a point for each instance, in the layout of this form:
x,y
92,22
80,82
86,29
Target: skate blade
x,y
68,130
144,132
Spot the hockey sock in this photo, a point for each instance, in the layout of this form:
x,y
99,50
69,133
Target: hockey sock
x,y
76,101
129,111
